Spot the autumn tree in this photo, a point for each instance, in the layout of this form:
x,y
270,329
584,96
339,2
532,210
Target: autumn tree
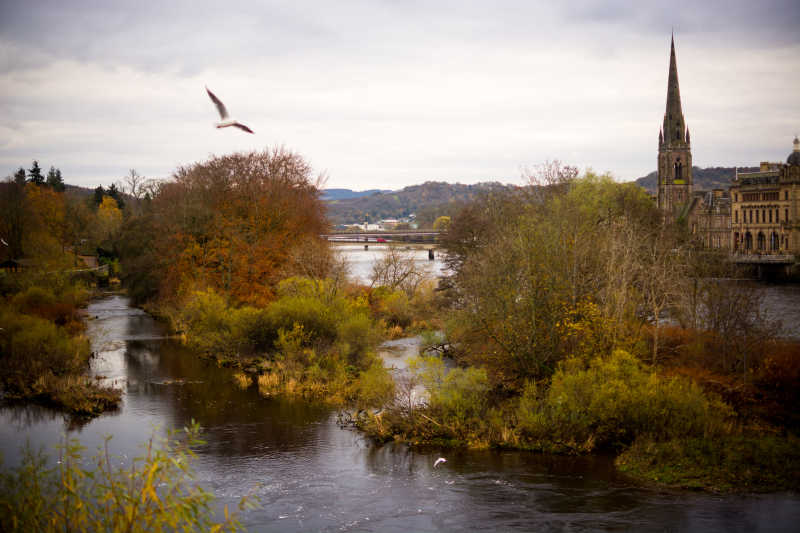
x,y
441,223
14,216
540,273
234,223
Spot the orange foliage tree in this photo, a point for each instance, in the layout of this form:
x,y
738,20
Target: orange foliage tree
x,y
232,223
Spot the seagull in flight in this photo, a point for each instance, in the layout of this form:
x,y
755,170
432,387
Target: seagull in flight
x,y
223,113
438,461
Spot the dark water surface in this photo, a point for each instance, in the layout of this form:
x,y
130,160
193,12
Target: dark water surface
x,y
310,475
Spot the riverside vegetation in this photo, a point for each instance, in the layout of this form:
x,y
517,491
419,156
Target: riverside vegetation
x,y
556,301
153,492
551,316
44,355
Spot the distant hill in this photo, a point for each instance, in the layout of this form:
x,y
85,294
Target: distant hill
x,y
426,201
344,194
704,178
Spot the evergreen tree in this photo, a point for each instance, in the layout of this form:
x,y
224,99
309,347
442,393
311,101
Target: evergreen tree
x,y
19,176
60,180
35,174
54,179
98,195
115,193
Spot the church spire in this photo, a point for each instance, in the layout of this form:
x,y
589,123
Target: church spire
x,y
674,128
675,180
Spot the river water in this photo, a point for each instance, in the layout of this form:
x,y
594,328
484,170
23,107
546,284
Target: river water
x,y
311,475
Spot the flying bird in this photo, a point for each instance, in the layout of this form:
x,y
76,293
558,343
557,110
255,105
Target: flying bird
x,y
4,241
439,461
223,114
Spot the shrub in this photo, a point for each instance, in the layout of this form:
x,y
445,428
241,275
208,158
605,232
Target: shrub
x,y
357,335
31,346
375,387
728,463
206,319
458,396
614,400
57,302
318,320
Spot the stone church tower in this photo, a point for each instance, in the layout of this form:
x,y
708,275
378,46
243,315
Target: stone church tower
x,y
674,152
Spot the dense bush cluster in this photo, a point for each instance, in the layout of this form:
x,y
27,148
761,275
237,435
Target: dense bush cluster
x,y
313,339
613,400
43,354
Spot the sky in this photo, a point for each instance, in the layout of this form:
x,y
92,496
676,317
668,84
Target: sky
x,y
389,93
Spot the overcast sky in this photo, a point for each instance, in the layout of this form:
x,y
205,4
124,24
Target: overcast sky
x,y
384,94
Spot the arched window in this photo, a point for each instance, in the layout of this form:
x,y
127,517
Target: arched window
x,y
736,241
748,241
762,241
773,242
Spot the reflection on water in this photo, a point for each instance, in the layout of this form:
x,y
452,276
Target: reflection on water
x,y
310,475
360,260
782,303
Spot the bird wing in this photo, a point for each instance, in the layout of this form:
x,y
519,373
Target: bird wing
x,y
223,113
242,127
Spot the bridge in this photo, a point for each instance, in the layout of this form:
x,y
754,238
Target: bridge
x,y
763,259
769,266
404,236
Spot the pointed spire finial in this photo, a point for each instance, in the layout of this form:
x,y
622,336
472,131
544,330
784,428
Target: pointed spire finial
x,y
674,129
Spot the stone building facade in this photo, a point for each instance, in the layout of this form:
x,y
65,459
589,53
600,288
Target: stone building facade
x,y
766,208
710,218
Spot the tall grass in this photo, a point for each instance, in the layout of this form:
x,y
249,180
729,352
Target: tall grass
x,y
153,492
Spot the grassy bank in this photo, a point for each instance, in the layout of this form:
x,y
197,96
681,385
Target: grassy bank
x,y
44,354
731,463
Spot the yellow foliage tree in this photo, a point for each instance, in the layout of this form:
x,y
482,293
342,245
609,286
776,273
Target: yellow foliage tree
x,y
109,218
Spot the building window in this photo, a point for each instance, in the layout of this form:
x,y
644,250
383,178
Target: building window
x,y
762,241
736,197
786,194
786,215
770,216
773,241
777,215
748,241
736,216
757,213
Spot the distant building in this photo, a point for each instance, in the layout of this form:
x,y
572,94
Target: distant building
x,y
710,218
766,208
674,170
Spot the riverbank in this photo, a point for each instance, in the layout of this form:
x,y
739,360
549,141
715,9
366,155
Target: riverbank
x,y
664,430
308,474
45,353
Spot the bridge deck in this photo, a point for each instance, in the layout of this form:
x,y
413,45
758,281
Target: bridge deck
x,y
765,259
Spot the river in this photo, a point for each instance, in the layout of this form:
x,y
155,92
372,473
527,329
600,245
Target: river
x,y
311,475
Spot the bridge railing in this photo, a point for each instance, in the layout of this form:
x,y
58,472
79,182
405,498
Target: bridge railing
x,y
763,258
